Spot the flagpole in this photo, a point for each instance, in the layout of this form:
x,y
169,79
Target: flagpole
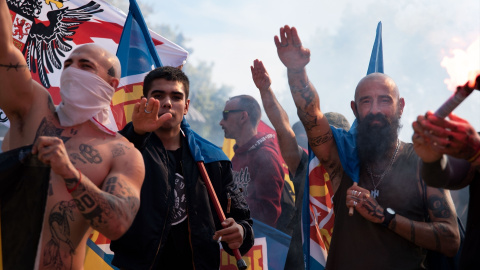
x,y
213,197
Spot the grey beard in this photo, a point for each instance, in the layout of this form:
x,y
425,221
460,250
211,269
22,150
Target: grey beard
x,y
373,143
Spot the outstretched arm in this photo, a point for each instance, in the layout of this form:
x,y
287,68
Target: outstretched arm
x,y
278,117
295,57
111,208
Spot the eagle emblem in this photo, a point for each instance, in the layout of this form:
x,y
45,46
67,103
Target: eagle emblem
x,y
45,42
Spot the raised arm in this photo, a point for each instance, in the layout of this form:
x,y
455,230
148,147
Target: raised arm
x,y
278,117
16,81
295,57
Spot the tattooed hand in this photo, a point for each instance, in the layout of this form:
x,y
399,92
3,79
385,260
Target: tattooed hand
x,y
51,151
368,207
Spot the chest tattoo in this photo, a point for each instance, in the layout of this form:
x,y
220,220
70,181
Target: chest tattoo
x,y
90,154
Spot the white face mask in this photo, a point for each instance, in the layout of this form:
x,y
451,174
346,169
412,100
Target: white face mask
x,y
85,96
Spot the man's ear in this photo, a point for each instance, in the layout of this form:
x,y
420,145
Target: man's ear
x,y
354,108
401,105
114,82
187,104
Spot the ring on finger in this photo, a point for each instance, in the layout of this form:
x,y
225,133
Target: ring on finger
x,y
147,111
354,203
358,195
286,45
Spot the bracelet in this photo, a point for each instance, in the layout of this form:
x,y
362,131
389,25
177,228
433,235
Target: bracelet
x,y
472,159
78,183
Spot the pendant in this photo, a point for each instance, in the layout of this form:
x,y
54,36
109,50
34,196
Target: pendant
x,y
375,193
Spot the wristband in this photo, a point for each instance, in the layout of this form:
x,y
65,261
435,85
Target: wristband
x,y
78,183
389,214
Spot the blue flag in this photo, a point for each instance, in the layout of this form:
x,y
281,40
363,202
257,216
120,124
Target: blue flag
x,y
136,51
201,149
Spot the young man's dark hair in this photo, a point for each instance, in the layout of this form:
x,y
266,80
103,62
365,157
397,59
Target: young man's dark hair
x,y
169,74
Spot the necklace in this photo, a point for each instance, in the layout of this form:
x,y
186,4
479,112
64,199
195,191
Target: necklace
x,y
375,192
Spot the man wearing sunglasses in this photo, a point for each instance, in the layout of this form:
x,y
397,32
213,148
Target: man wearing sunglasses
x,y
257,170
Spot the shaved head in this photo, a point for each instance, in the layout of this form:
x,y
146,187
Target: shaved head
x,y
105,58
374,78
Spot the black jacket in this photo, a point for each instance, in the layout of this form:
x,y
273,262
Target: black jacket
x,y
140,246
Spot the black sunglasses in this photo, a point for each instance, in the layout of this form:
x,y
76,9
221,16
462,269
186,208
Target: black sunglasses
x,y
225,113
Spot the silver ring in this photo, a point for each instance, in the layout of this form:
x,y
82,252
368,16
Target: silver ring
x,y
286,45
147,111
358,195
353,192
354,203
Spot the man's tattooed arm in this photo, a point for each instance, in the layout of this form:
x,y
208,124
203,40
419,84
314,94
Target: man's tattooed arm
x,y
440,233
16,67
110,211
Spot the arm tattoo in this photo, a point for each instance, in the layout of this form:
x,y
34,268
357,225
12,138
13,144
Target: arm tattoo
x,y
439,207
309,121
12,66
317,141
306,93
412,233
437,238
98,210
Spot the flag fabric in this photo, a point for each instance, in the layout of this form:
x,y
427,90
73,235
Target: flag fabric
x,y
317,211
76,22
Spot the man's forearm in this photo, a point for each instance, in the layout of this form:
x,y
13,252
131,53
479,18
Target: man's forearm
x,y
110,212
286,137
448,172
438,236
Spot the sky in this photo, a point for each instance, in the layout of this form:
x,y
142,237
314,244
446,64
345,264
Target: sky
x,y
426,45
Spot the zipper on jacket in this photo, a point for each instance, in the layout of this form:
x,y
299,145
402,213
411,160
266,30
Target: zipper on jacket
x,y
161,238
166,216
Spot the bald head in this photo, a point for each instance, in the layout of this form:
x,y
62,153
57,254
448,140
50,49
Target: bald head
x,y
376,79
104,58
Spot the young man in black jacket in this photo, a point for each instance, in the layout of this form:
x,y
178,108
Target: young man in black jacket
x,y
177,226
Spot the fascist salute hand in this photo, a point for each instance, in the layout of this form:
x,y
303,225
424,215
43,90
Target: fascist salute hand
x,y
290,50
260,76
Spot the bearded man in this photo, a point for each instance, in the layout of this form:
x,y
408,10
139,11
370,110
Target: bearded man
x,y
389,228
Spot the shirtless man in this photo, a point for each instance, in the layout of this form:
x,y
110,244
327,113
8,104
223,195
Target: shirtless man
x,y
96,174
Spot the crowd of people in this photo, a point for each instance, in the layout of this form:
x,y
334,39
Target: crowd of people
x,y
143,188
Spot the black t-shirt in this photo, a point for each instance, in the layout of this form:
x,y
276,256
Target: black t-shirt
x,y
177,253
